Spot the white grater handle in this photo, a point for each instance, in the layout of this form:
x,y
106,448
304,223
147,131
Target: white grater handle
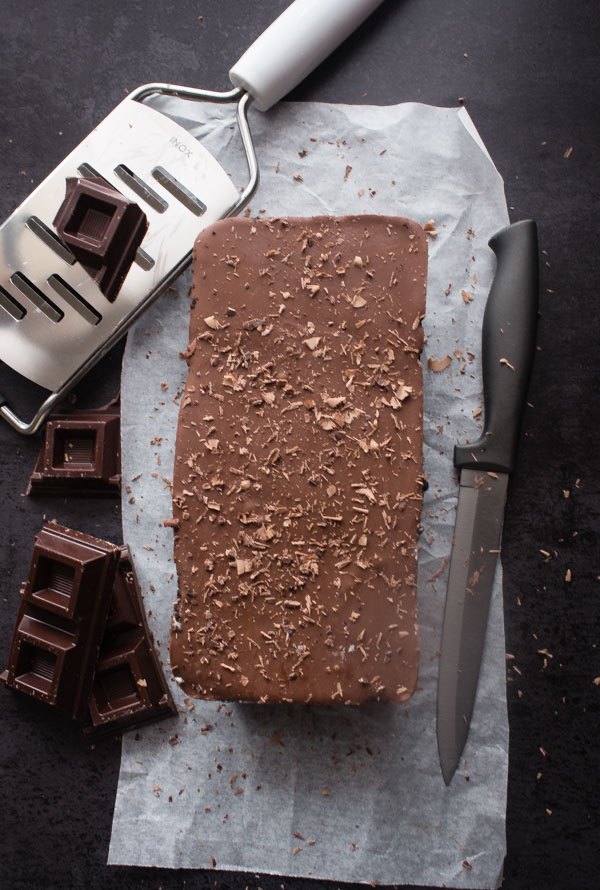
x,y
303,35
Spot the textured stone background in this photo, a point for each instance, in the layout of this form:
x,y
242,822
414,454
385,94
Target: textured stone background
x,y
529,76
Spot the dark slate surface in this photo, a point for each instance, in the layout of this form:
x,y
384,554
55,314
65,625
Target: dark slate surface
x,y
529,75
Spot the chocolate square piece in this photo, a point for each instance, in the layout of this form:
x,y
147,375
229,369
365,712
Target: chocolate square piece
x,y
88,220
80,453
129,687
61,618
81,643
102,228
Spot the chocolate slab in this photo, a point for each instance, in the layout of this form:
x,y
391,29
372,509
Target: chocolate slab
x,y
61,619
297,484
102,228
80,453
129,688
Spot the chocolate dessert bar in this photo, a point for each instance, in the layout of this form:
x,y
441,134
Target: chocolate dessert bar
x,y
297,486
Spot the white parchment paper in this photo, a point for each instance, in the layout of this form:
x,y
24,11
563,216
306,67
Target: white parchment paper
x,y
336,793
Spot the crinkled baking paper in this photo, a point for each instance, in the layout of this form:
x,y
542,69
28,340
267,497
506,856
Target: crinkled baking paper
x,y
336,793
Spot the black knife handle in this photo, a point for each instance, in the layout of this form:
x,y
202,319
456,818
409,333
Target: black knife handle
x,y
507,347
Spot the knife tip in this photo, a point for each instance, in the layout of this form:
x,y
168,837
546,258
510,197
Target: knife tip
x,y
448,769
448,752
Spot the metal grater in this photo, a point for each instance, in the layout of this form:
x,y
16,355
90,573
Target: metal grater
x,y
55,323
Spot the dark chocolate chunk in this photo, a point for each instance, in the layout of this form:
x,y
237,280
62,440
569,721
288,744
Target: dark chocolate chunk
x,y
129,687
61,619
102,228
80,453
81,642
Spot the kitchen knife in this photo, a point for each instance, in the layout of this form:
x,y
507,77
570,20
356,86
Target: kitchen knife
x,y
508,345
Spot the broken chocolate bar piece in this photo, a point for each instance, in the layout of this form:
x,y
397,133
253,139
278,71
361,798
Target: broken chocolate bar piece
x,y
81,643
61,619
80,453
102,228
129,688
297,482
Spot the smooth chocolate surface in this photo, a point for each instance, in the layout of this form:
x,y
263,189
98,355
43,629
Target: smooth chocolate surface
x,y
297,486
61,618
102,228
80,454
129,688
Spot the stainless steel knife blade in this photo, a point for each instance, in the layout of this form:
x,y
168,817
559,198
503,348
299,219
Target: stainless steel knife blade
x,y
508,344
475,549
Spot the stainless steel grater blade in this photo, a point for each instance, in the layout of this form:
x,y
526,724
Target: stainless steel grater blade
x,y
55,322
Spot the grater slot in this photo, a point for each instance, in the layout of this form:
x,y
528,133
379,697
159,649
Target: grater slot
x,y
141,188
143,259
179,191
74,299
50,239
87,171
10,305
35,295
